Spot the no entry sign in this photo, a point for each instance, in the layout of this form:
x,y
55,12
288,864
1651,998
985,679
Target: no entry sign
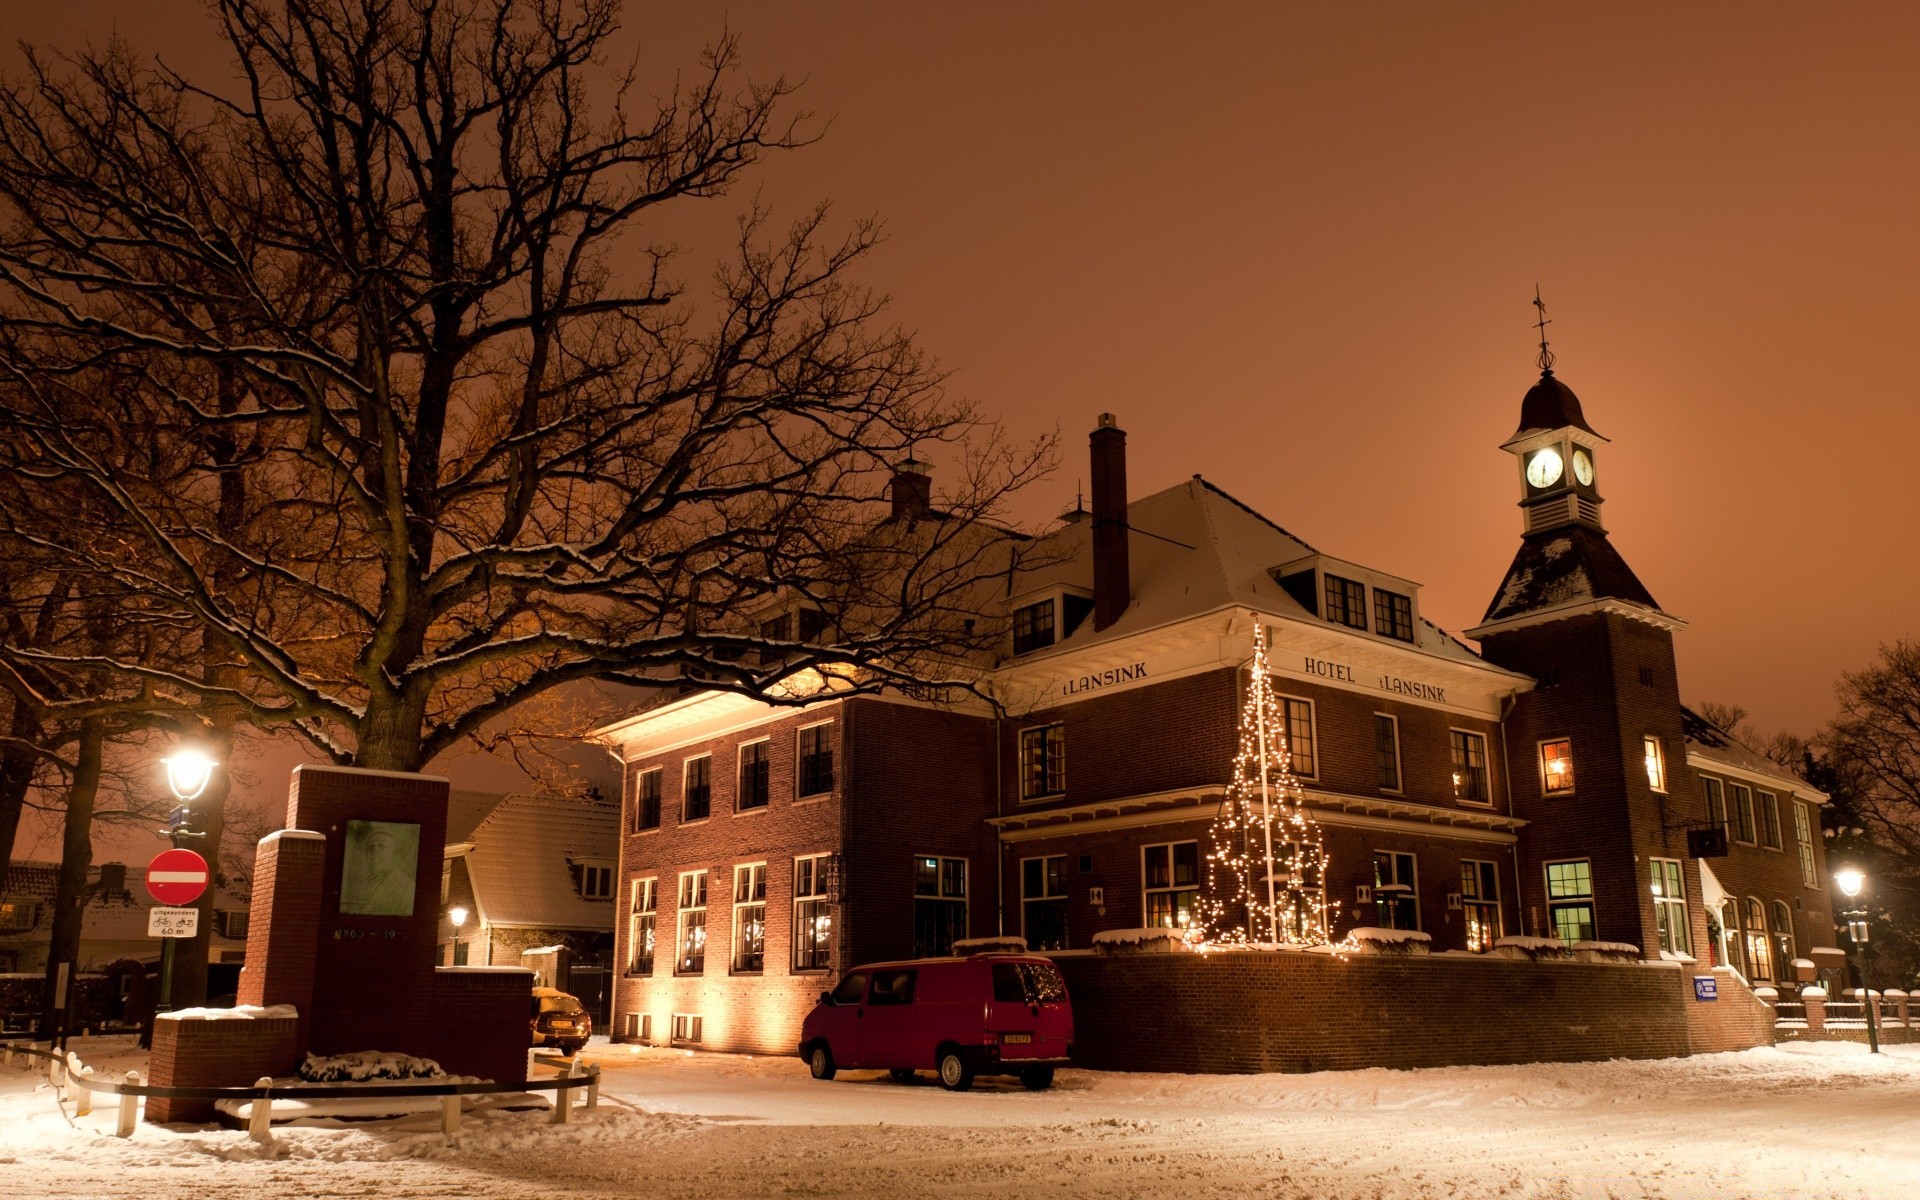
x,y
176,876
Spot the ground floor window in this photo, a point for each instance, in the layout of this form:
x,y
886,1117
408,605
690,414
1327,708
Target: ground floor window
x,y
1396,903
750,917
1171,873
1670,906
1782,936
812,918
1730,936
692,957
1043,897
686,1028
1759,952
643,908
1480,902
1570,900
939,905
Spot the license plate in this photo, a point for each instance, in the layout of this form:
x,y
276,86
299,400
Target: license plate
x,y
1017,1039
563,1024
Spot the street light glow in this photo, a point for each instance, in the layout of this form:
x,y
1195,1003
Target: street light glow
x,y
457,915
1849,880
188,773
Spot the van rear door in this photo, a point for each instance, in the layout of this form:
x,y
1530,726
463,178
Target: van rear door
x,y
1029,1014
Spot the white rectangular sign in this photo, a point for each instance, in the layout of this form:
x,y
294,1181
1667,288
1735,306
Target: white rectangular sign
x,y
172,922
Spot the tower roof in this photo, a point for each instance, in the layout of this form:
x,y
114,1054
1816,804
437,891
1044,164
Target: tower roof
x,y
1550,404
1568,566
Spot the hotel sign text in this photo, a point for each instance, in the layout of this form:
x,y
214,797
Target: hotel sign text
x,y
1342,673
1106,678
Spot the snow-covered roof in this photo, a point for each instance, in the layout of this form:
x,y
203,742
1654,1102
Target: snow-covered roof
x,y
465,811
1707,741
1566,567
524,857
1194,549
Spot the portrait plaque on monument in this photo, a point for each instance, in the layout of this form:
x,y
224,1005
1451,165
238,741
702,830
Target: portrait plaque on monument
x,y
377,877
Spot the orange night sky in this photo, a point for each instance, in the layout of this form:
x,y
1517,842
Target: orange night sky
x,y
1293,248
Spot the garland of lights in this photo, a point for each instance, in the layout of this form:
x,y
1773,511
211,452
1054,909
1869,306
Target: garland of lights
x,y
1267,869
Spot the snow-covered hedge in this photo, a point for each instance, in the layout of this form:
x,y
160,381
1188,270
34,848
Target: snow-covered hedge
x,y
1369,939
1609,951
363,1065
1141,941
240,1012
1536,948
990,945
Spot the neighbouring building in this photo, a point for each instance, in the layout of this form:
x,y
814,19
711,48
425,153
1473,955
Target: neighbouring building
x,y
1543,784
535,876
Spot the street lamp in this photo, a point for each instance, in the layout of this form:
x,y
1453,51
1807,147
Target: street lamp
x,y
188,773
458,915
1850,880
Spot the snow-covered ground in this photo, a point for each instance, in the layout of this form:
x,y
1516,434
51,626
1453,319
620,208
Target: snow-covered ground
x,y
1809,1121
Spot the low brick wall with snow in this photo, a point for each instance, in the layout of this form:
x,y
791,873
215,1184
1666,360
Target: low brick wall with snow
x,y
1244,1011
201,1048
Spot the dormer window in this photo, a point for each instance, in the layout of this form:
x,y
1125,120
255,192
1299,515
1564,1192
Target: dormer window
x,y
1392,615
595,880
1346,602
1033,627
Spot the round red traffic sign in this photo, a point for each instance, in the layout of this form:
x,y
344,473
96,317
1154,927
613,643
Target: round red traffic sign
x,y
176,876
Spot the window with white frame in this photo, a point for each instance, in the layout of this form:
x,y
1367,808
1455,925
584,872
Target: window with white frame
x,y
1740,812
1480,902
1298,715
1716,798
1386,751
1033,627
1730,935
1556,766
1783,942
1043,761
1470,782
696,797
1171,877
750,917
1346,602
1656,763
939,904
1570,899
642,908
812,914
1759,945
1670,906
691,958
1396,896
815,773
752,790
646,800
686,1029
1767,809
1803,835
1043,902
596,880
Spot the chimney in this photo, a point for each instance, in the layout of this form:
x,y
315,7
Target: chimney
x,y
1112,581
911,489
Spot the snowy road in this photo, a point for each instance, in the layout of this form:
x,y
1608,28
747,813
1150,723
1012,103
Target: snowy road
x,y
1765,1123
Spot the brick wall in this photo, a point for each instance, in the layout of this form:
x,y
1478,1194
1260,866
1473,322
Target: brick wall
x,y
481,1021
224,1053
1236,1012
1735,1020
1768,875
283,926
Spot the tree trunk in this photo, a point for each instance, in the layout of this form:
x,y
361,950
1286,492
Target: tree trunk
x,y
16,777
76,857
391,733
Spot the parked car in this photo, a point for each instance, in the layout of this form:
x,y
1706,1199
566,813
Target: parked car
x,y
990,1014
560,1020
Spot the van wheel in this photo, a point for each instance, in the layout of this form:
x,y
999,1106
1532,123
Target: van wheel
x,y
956,1073
1036,1079
902,1074
820,1061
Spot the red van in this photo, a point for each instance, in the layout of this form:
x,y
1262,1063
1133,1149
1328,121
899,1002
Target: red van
x,y
990,1014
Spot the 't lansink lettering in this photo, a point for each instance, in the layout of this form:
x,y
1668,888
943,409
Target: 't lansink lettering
x,y
1106,678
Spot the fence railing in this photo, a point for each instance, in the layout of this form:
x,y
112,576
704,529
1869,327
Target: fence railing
x,y
1846,1013
1789,1012
67,1074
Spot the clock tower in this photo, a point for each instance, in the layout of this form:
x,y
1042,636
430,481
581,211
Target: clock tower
x,y
1596,750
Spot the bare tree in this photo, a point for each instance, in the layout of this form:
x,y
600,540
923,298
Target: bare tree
x,y
435,428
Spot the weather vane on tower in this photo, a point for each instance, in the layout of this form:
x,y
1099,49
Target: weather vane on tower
x,y
1546,355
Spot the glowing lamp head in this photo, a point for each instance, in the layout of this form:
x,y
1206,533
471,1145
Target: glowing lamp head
x,y
1849,880
457,915
188,773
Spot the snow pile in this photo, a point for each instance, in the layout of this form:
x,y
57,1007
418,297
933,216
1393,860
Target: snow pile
x,y
1804,964
1766,993
240,1012
990,945
1814,992
1610,950
1536,948
363,1065
1369,939
1158,940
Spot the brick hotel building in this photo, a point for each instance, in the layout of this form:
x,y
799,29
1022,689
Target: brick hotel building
x,y
1543,785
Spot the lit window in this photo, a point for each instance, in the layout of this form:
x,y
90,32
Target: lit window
x,y
1759,945
1469,767
1480,898
812,919
692,957
646,801
1043,761
1783,934
641,911
1172,875
1803,834
1570,900
1656,764
1670,906
1556,766
750,917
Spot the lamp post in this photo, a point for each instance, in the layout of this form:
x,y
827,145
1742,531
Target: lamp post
x,y
1850,881
458,915
188,773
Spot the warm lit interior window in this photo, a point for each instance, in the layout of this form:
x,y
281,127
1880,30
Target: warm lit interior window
x,y
1556,765
1656,765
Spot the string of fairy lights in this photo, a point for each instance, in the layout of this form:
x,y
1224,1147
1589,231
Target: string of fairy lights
x,y
1267,866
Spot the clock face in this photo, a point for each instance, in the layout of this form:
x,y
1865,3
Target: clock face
x,y
1543,469
1583,468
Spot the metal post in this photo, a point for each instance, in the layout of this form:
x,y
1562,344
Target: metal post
x,y
165,1003
260,1113
450,1115
1857,933
129,1108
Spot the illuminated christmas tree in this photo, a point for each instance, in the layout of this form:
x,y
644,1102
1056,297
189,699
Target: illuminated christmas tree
x,y
1267,869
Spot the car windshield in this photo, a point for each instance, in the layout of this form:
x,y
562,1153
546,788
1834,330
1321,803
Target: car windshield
x,y
852,989
559,1004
